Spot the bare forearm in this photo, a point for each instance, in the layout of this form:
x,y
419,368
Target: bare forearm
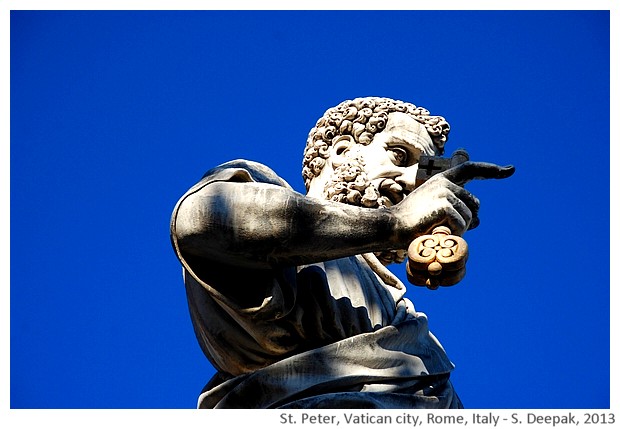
x,y
260,225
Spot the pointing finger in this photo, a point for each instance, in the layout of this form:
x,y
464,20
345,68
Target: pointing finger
x,y
468,171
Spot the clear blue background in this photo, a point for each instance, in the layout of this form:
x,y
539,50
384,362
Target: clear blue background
x,y
115,114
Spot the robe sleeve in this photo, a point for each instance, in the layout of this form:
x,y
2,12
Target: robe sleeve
x,y
233,309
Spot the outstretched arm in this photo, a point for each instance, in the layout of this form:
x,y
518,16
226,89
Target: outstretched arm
x,y
258,225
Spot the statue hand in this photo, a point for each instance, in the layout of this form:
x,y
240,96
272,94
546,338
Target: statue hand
x,y
442,200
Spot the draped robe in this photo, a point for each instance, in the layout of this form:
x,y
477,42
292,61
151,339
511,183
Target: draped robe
x,y
326,335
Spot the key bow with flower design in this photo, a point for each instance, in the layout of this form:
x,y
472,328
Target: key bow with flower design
x,y
437,259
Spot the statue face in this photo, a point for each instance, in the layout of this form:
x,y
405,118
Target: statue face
x,y
389,162
391,159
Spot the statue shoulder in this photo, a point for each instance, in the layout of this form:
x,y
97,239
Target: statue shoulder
x,y
238,171
242,170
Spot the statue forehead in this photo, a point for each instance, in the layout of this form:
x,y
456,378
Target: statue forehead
x,y
400,120
406,127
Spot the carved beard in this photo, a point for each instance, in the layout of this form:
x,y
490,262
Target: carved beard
x,y
350,185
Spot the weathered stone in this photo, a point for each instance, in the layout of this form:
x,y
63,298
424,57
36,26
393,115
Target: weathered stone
x,y
289,294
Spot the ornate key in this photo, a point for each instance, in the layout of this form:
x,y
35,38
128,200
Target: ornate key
x,y
437,259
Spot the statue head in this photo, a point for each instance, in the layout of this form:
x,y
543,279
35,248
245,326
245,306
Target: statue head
x,y
365,151
358,121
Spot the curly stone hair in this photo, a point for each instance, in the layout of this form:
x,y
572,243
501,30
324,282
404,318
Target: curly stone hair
x,y
361,119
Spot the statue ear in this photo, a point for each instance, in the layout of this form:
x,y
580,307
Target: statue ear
x,y
340,146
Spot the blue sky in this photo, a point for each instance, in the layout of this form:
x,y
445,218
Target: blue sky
x,y
115,114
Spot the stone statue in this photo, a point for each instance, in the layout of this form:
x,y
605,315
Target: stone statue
x,y
289,295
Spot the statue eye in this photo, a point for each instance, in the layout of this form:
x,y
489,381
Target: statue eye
x,y
398,156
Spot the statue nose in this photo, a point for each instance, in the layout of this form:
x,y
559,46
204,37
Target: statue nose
x,y
407,178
